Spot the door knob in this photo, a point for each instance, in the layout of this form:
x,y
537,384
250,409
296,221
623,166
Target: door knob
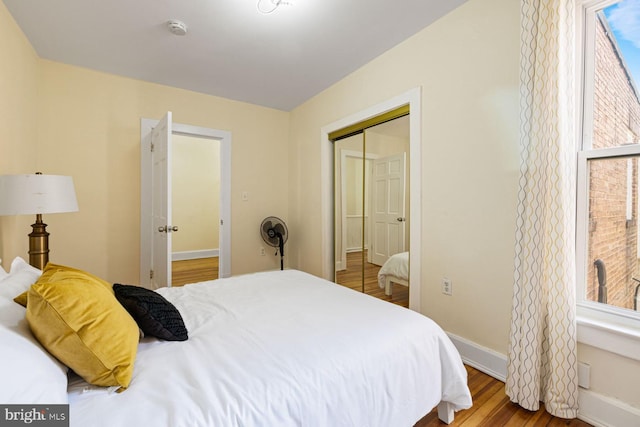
x,y
400,219
167,228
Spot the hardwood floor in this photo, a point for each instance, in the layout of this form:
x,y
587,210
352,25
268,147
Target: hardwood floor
x,y
491,406
193,270
351,278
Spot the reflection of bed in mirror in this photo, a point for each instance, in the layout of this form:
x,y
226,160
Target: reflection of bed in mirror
x,y
394,270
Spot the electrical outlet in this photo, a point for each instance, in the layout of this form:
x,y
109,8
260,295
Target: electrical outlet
x,y
584,373
447,288
262,251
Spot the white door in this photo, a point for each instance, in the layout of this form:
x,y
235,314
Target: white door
x,y
161,203
155,190
388,207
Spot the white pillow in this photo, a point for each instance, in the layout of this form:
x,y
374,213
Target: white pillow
x,y
19,279
29,373
3,273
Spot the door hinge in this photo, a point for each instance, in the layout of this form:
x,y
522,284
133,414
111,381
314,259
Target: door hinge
x,y
150,274
152,147
221,222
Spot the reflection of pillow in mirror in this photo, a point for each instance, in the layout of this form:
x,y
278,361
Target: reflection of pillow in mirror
x,y
82,323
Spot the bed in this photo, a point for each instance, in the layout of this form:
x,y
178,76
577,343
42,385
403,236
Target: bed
x,y
278,348
394,270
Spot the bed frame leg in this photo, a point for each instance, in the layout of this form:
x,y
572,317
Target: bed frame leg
x,y
445,412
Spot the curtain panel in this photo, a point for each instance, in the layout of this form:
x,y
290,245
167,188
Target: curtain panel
x,y
542,357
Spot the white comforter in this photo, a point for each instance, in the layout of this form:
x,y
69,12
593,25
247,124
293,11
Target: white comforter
x,y
283,349
397,265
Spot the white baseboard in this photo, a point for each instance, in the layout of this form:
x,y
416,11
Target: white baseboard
x,y
205,253
483,359
595,408
603,411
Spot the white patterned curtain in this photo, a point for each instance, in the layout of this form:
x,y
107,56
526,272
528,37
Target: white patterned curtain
x,y
542,359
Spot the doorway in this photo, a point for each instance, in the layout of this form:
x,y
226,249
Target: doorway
x,y
203,136
195,176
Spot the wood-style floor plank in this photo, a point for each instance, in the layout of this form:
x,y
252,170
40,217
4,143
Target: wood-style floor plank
x,y
352,276
193,271
491,406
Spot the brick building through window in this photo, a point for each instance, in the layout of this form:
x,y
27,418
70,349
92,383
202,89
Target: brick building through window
x,y
613,181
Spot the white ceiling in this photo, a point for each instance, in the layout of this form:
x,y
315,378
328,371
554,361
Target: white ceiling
x,y
230,50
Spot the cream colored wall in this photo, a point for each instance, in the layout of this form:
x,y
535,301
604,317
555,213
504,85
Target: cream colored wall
x,y
62,119
195,184
467,65
18,125
90,128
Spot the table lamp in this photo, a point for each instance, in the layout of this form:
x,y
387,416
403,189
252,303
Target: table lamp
x,y
37,194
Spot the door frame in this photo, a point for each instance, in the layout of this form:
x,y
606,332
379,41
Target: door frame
x,y
224,137
344,153
413,98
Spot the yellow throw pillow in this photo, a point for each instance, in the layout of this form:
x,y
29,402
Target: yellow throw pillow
x,y
22,298
79,321
54,272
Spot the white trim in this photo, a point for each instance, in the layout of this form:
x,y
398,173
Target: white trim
x,y
224,269
413,97
605,335
595,408
199,254
343,202
603,411
482,358
599,325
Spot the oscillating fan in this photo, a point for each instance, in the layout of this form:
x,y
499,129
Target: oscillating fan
x,y
274,232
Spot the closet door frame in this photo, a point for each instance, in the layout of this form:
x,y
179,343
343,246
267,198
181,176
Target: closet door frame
x,y
412,98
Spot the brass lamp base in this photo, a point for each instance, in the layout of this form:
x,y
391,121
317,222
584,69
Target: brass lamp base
x,y
39,244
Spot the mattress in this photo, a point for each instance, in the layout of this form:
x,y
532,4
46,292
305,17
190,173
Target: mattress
x,y
283,348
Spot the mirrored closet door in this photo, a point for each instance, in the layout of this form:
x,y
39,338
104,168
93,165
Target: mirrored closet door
x,y
371,199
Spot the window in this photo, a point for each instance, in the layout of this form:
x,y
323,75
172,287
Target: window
x,y
608,166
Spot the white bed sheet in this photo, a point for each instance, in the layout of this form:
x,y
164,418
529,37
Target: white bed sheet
x,y
283,349
397,266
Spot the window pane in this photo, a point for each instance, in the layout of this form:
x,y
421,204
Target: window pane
x,y
616,110
613,232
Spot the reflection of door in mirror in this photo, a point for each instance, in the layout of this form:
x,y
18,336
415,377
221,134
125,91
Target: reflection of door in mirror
x,y
371,199
195,207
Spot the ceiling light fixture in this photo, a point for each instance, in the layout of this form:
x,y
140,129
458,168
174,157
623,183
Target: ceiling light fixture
x,y
177,27
269,6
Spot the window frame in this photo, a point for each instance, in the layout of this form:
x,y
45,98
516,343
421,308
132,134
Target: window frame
x,y
600,325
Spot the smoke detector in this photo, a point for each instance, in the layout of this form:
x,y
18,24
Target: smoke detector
x,y
177,27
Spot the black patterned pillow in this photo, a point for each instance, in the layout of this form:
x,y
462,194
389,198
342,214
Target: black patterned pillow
x,y
152,312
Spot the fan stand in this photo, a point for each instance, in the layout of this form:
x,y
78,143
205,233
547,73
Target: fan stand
x,y
281,248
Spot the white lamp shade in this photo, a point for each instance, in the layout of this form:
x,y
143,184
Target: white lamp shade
x,y
36,194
